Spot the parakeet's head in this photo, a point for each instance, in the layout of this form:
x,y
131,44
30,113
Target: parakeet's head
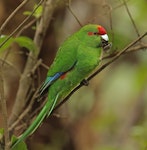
x,y
93,35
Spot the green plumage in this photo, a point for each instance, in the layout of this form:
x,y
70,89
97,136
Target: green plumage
x,y
77,57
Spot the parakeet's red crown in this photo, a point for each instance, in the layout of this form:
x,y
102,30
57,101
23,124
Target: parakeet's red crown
x,y
101,30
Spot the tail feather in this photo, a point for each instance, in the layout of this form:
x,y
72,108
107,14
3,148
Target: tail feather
x,y
45,112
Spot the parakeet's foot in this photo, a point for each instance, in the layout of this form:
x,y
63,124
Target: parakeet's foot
x,y
85,82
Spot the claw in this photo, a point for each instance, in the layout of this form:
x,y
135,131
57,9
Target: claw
x,y
85,82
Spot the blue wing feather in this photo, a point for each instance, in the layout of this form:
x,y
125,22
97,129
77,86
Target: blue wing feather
x,y
49,81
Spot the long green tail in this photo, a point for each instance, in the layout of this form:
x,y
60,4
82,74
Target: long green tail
x,y
46,111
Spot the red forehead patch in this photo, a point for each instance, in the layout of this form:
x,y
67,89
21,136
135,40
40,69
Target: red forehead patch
x,y
101,30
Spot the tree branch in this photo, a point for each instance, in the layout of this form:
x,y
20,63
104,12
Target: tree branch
x,y
26,79
4,110
12,15
115,57
131,18
21,24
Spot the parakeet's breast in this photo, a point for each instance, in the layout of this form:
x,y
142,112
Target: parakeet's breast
x,y
85,64
88,59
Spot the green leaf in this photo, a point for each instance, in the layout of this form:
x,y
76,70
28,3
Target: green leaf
x,y
1,137
26,42
27,13
1,133
3,38
19,146
37,13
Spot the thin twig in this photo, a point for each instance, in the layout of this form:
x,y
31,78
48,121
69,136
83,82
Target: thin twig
x,y
12,15
26,27
22,115
44,66
120,5
4,110
130,50
109,12
9,65
132,20
21,24
71,11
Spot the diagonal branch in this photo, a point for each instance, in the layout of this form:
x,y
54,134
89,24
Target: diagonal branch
x,y
21,24
102,68
12,15
26,79
131,18
4,109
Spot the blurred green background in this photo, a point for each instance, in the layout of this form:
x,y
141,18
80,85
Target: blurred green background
x,y
109,114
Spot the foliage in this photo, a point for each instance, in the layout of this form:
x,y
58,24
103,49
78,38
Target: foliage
x,y
22,41
20,146
37,13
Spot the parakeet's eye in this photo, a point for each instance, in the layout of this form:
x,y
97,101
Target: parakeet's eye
x,y
95,33
101,32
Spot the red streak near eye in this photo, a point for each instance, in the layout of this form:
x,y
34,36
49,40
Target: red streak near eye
x,y
90,33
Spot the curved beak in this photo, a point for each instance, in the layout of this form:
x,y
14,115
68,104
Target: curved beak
x,y
105,42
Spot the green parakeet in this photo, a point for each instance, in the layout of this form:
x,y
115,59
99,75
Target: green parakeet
x,y
76,58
